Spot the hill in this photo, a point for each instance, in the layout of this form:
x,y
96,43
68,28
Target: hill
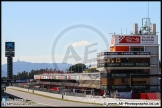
x,y
20,66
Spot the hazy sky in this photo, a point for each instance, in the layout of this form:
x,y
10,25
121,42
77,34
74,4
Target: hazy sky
x,y
34,26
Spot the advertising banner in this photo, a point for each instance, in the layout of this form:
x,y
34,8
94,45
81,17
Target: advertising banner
x,y
142,39
150,39
68,77
39,77
50,77
129,39
77,77
56,77
53,77
61,77
42,77
9,46
73,77
46,77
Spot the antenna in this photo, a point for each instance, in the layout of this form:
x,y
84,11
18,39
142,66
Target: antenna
x,y
121,31
126,31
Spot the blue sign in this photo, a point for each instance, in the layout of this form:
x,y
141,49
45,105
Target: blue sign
x,y
3,104
3,100
10,46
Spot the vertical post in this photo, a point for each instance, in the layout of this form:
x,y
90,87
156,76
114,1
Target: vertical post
x,y
78,67
9,67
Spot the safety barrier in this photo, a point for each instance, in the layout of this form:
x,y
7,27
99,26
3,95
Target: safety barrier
x,y
55,92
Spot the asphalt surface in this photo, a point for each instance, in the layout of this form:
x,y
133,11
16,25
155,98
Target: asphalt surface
x,y
44,101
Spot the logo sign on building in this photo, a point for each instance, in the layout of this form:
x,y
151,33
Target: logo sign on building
x,y
149,39
129,39
9,46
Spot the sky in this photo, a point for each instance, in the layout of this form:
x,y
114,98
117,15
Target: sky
x,y
44,31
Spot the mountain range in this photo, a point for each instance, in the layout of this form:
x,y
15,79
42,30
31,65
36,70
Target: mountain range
x,y
20,66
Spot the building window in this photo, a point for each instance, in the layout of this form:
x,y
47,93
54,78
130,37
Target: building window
x,y
137,48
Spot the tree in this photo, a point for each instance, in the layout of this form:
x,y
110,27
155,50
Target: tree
x,y
79,68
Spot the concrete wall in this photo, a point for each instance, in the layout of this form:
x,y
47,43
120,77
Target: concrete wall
x,y
154,62
152,49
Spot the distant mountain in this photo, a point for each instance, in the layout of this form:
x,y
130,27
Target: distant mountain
x,y
20,66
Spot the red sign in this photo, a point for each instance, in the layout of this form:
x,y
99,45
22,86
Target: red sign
x,y
59,77
129,39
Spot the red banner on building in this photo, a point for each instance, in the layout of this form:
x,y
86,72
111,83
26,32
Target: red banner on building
x,y
129,39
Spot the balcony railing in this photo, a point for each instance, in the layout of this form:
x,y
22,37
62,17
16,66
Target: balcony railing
x,y
123,65
124,53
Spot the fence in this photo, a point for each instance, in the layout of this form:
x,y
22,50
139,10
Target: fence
x,y
52,91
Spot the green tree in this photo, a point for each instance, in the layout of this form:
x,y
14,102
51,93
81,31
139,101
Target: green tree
x,y
79,68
